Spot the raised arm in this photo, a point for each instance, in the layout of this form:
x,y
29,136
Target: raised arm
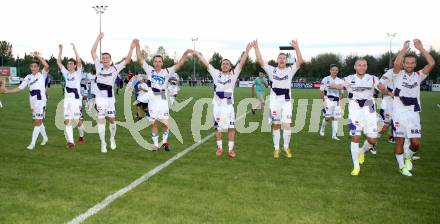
x,y
399,59
299,58
139,57
183,59
431,63
130,53
60,53
43,62
244,56
78,58
95,46
4,90
258,53
201,58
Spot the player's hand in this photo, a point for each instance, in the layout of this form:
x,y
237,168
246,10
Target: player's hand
x,y
405,47
418,44
101,35
255,44
73,45
36,54
248,47
294,44
189,51
136,41
133,44
60,47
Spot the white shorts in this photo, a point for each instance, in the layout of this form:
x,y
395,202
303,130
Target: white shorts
x,y
158,109
280,110
386,110
224,116
362,120
72,109
331,109
407,124
38,108
105,107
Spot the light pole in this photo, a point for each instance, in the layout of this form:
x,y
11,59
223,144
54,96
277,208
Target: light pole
x,y
391,36
194,39
100,9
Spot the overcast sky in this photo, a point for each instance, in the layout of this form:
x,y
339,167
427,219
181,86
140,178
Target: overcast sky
x,y
339,26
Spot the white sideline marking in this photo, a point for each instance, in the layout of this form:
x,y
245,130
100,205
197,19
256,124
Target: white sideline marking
x,y
109,199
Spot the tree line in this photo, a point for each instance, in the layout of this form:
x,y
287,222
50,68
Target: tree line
x,y
315,69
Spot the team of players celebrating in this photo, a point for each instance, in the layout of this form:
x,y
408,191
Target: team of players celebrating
x,y
400,106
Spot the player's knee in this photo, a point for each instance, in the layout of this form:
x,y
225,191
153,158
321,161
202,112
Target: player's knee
x,y
66,122
415,144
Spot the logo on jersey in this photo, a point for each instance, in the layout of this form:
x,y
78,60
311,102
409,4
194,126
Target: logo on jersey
x,y
33,82
158,79
410,86
105,75
225,82
70,79
280,78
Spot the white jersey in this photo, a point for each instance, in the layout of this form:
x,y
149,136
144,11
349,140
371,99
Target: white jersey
x,y
329,92
224,85
105,79
361,88
387,81
159,81
281,79
407,90
36,84
73,83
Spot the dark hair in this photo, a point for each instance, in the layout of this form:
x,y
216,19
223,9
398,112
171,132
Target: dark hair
x,y
93,71
225,59
158,56
361,59
333,65
72,60
409,55
105,53
35,62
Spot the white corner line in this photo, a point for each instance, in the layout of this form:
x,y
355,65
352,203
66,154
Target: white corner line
x,y
109,199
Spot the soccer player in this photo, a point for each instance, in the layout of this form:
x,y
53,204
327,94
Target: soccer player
x,y
158,102
37,96
331,98
406,103
361,111
258,88
173,88
280,95
72,97
143,96
106,73
223,103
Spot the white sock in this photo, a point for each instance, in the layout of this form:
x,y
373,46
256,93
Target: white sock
x,y
400,161
81,131
35,134
334,128
406,149
286,138
323,125
366,147
43,131
355,154
219,144
1,105
101,132
155,138
276,139
165,137
231,145
112,128
69,133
